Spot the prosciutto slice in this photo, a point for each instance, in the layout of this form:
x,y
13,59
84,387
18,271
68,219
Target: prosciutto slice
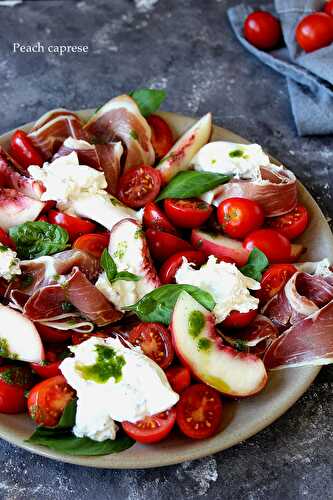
x,y
276,193
308,342
120,119
16,208
51,115
11,178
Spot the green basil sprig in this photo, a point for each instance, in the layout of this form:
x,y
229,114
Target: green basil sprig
x,y
256,264
61,438
191,184
110,268
35,239
158,305
148,100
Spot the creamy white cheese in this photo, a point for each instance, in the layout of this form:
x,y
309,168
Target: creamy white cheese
x,y
228,286
72,143
319,268
142,389
80,190
9,263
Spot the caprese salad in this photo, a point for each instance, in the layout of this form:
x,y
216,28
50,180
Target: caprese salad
x,y
145,277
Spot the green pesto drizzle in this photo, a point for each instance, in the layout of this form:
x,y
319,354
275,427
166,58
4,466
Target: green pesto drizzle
x,y
204,344
238,153
121,249
196,322
107,365
5,351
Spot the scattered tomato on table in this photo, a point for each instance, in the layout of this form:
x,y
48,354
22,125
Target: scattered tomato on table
x,y
263,30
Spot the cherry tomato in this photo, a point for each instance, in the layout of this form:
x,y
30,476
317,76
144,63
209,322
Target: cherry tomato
x,y
23,151
163,245
48,399
43,218
237,319
161,138
173,263
262,30
78,338
275,246
328,8
50,366
199,411
179,378
291,225
14,381
315,31
239,216
154,218
5,239
151,429
52,335
189,213
75,226
155,342
93,243
139,185
273,280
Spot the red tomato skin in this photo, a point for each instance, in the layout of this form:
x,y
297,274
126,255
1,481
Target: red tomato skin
x,y
179,378
315,31
43,218
147,336
240,216
162,245
237,319
292,224
161,139
23,151
93,243
262,30
273,280
139,185
187,214
12,390
78,338
52,335
154,218
75,226
47,371
6,240
328,8
275,246
165,420
173,263
192,402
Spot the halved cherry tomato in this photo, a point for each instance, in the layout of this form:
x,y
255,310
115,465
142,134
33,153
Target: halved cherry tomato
x,y
273,280
48,399
189,213
154,218
179,378
163,245
139,185
6,240
93,243
275,246
292,224
328,8
161,138
151,429
49,367
199,411
238,319
239,216
155,342
173,263
262,30
14,381
23,151
75,226
315,31
52,335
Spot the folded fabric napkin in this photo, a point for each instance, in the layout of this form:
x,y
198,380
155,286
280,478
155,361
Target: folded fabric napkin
x,y
309,75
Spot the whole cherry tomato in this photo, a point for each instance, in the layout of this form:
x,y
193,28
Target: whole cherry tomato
x,y
262,30
93,243
75,226
239,216
50,366
14,381
139,185
189,213
23,151
315,31
173,263
179,378
238,319
163,245
161,138
155,342
292,224
275,246
328,8
154,218
273,280
151,429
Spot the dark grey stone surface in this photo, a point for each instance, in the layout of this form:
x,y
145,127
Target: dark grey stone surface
x,y
187,47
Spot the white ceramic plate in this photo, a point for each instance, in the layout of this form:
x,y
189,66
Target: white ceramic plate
x,y
242,419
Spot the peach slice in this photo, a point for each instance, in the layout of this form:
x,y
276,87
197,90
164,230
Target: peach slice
x,y
221,246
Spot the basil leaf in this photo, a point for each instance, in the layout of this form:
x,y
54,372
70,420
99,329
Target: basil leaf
x,y
126,276
110,268
67,420
191,184
148,100
256,264
35,239
158,305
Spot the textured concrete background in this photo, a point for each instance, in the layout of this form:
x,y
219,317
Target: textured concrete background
x,y
186,47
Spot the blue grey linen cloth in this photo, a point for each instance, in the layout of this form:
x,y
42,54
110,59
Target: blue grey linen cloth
x,y
309,75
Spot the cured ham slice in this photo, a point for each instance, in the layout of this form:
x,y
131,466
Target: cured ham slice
x,y
120,119
51,115
276,193
11,178
16,208
308,342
